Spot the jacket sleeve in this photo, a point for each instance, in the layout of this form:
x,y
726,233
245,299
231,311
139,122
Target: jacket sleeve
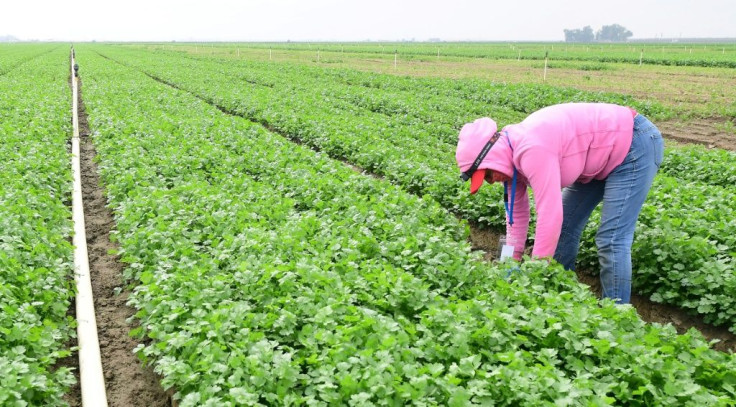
x,y
542,169
516,234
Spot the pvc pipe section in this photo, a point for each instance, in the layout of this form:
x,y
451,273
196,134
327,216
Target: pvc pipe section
x,y
90,365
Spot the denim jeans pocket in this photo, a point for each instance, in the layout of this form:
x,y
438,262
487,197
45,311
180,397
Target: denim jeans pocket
x,y
637,150
657,147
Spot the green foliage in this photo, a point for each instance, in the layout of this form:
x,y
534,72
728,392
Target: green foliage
x,y
594,67
672,54
267,274
700,164
683,248
396,127
35,254
15,55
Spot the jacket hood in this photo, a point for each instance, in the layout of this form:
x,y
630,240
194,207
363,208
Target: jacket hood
x,y
473,137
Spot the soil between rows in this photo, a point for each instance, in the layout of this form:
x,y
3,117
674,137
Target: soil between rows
x,y
128,383
698,131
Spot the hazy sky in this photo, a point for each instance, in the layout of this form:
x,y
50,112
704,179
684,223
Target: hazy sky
x,y
334,20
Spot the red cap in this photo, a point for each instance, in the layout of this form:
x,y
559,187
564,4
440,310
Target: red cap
x,y
477,180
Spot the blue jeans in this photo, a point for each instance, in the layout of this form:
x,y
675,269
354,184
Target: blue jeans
x,y
623,193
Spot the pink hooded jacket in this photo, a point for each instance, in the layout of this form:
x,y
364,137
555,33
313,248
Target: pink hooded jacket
x,y
552,148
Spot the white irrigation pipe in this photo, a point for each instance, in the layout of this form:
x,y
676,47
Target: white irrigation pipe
x,y
90,365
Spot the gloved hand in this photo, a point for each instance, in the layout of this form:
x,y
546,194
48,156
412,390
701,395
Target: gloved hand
x,y
511,270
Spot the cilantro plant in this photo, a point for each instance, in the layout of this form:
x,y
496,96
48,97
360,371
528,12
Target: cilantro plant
x,y
265,273
390,126
36,285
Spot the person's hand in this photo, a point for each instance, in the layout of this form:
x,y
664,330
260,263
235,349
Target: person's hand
x,y
511,270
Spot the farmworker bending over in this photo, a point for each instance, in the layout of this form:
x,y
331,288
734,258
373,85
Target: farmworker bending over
x,y
572,156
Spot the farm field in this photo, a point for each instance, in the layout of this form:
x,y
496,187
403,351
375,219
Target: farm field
x,y
304,244
294,232
399,129
703,100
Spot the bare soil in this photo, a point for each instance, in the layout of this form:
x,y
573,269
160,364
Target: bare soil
x,y
487,241
128,383
698,131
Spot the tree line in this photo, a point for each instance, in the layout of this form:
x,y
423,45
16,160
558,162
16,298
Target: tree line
x,y
607,33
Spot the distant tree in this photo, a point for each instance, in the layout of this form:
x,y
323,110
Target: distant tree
x,y
579,35
613,33
586,34
570,35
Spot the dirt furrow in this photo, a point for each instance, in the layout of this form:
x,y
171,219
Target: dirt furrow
x,y
128,383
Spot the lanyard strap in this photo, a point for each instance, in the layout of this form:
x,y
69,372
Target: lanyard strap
x,y
509,203
479,159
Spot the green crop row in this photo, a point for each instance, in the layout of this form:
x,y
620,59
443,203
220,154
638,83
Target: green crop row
x,y
36,257
521,98
383,143
445,105
267,274
13,55
441,96
697,163
415,158
704,55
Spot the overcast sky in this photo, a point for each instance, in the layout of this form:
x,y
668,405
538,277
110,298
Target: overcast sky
x,y
335,20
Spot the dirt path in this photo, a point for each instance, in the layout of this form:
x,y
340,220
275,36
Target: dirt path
x,y
128,383
698,131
